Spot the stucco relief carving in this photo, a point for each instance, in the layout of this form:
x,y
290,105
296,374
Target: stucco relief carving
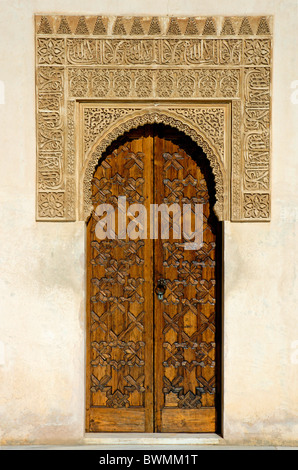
x,y
147,115
195,83
209,77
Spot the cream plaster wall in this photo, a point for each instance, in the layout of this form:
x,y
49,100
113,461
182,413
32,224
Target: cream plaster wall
x,y
42,369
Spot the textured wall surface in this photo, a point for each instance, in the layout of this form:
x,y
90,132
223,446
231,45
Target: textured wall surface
x,y
42,312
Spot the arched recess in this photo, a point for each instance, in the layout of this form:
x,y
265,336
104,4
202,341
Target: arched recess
x,y
153,364
153,116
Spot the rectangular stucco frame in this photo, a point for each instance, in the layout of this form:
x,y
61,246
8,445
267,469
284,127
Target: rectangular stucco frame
x,y
208,76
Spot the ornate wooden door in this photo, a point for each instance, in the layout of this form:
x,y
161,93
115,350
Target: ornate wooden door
x,y
152,361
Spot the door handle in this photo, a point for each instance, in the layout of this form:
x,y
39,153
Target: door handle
x,y
160,289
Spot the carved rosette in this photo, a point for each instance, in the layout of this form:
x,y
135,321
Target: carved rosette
x,y
184,65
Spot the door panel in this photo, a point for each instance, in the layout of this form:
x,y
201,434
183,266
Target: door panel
x,y
185,318
120,300
151,363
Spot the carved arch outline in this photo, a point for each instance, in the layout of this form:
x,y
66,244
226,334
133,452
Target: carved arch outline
x,y
150,116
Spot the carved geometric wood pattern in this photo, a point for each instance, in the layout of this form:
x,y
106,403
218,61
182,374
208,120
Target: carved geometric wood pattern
x,y
190,61
149,359
187,314
120,303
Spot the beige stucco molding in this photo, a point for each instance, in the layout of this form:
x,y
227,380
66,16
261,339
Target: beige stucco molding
x,y
97,77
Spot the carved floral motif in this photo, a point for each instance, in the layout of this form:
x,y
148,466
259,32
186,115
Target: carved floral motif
x,y
51,205
50,51
256,206
134,83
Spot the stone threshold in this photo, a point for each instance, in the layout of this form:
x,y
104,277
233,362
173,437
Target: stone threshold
x,y
151,439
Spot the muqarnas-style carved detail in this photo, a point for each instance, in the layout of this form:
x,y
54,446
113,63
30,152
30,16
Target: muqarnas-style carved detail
x,y
134,59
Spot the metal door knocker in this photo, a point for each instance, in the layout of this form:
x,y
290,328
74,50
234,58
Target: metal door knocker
x,y
161,288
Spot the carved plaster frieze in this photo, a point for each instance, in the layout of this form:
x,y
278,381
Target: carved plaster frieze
x,y
97,77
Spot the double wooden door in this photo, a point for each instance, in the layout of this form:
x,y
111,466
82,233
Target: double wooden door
x,y
152,305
